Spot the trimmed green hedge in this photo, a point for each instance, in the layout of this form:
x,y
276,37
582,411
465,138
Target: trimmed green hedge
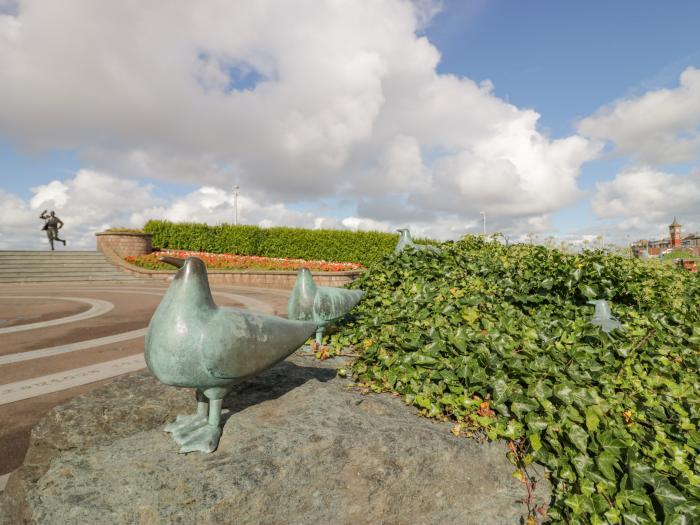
x,y
364,247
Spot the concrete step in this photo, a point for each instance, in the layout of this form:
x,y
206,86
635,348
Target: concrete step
x,y
34,266
67,278
49,253
48,267
47,262
71,257
58,273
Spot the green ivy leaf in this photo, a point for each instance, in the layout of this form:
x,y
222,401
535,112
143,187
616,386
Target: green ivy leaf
x,y
578,437
606,463
592,419
668,496
582,463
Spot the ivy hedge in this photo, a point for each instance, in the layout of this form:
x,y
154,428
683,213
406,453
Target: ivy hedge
x,y
363,247
498,339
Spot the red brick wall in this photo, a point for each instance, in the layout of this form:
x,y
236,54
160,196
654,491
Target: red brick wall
x,y
125,244
690,265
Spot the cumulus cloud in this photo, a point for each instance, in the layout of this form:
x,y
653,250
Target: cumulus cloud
x,y
659,127
90,201
644,201
294,101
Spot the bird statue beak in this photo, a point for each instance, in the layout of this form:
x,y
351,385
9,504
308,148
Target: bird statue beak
x,y
175,261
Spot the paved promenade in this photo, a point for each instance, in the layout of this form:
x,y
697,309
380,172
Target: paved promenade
x,y
59,340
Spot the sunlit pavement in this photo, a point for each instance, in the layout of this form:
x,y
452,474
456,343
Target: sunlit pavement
x,y
60,340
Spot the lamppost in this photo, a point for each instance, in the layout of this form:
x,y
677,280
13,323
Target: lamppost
x,y
483,214
235,203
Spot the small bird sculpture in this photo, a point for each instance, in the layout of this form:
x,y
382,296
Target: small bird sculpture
x,y
406,241
321,305
193,343
603,317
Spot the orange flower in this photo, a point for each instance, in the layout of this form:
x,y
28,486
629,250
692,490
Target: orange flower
x,y
228,261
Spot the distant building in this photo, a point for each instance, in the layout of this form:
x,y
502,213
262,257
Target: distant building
x,y
674,242
692,241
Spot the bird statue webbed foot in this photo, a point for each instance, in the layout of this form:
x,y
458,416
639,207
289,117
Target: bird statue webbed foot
x,y
198,432
202,439
184,424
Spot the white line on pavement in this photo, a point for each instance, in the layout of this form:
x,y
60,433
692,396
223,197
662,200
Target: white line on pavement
x,y
248,302
97,307
116,338
48,384
71,347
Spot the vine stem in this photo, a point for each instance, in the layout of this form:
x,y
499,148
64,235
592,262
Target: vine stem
x,y
651,332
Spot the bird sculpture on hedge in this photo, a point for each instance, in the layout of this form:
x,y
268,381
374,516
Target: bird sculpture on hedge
x,y
603,317
320,304
193,343
406,241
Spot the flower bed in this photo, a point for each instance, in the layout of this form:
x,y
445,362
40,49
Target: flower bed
x,y
228,261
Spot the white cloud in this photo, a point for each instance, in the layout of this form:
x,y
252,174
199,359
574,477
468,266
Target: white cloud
x,y
644,201
89,202
661,126
292,100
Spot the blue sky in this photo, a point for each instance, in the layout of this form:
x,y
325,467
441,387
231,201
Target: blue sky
x,y
567,59
564,60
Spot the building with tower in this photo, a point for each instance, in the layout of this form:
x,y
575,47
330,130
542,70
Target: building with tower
x,y
674,242
674,230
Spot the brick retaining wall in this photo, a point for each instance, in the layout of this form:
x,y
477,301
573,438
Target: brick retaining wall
x,y
125,244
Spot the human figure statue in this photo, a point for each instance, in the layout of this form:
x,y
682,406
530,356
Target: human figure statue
x,y
51,226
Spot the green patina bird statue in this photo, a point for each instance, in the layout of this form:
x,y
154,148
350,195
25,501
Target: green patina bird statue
x,y
193,343
603,317
406,241
321,305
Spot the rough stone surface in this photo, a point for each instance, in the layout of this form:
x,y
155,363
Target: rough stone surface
x,y
298,446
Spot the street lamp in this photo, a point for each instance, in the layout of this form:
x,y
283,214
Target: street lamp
x,y
483,214
235,204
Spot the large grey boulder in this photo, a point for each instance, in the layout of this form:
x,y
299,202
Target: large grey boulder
x,y
299,447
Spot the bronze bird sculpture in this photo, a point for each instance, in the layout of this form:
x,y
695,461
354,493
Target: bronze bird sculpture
x,y
406,241
193,343
603,317
320,304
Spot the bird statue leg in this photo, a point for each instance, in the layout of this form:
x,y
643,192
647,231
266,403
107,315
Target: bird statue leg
x,y
319,334
186,423
203,434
